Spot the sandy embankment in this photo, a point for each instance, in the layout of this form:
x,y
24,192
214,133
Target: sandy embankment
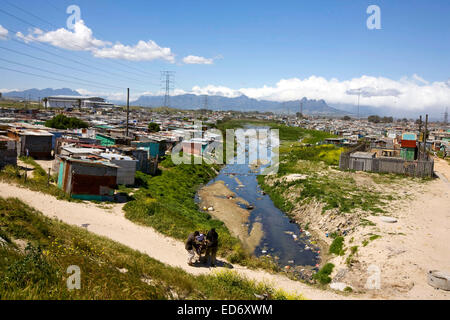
x,y
404,251
229,211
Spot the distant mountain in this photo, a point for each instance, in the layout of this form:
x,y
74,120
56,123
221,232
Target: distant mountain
x,y
241,103
36,94
435,114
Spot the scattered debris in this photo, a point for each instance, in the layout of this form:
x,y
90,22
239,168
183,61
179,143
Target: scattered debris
x,y
3,242
340,286
439,279
265,296
388,219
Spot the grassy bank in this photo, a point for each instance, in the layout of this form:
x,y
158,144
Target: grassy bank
x,y
321,181
35,253
166,203
286,133
37,181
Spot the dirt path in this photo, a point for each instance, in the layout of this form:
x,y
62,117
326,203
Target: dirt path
x,y
406,250
113,225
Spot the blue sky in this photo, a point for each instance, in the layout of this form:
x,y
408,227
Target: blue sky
x,y
253,44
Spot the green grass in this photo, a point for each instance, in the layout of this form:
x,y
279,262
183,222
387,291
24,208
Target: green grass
x,y
334,191
371,238
166,203
353,250
40,271
39,181
286,133
323,275
337,246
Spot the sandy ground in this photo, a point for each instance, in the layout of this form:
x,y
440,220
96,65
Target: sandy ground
x,y
228,210
407,250
113,225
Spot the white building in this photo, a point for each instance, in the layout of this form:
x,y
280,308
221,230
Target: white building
x,y
75,102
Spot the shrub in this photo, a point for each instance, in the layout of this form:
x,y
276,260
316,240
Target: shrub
x,y
337,245
153,127
63,122
323,275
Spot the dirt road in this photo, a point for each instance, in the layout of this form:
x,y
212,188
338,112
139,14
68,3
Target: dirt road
x,y
113,225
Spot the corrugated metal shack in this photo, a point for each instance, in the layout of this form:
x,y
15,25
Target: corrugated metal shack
x,y
33,143
87,179
357,159
195,146
362,161
126,167
8,151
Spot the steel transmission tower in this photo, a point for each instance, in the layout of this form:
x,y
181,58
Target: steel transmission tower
x,y
167,85
446,116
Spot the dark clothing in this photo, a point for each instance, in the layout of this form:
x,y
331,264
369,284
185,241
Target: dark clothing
x,y
211,252
190,242
213,239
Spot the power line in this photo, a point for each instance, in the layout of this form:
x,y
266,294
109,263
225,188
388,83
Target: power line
x,y
70,59
44,77
60,74
54,47
53,25
48,61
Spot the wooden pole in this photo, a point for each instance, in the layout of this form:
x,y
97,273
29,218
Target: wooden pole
x,y
128,109
425,135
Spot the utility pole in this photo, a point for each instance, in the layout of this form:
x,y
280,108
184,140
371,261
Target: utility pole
x,y
167,84
420,133
301,108
420,126
425,134
128,110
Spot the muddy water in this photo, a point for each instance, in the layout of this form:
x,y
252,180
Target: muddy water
x,y
282,239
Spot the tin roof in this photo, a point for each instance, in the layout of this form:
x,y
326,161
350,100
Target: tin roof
x,y
365,155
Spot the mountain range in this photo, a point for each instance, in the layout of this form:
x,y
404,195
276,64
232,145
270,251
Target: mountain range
x,y
36,94
243,103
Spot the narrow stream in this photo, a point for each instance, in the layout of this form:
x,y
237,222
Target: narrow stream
x,y
282,239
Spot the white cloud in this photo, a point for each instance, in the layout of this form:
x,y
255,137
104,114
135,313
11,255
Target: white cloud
x,y
197,60
82,39
412,93
79,40
113,96
216,91
142,51
3,33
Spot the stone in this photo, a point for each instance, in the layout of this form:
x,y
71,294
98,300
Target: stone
x,y
388,219
340,286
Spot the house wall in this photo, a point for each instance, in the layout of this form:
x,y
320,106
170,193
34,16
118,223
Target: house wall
x,y
8,153
39,147
416,168
126,171
87,182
